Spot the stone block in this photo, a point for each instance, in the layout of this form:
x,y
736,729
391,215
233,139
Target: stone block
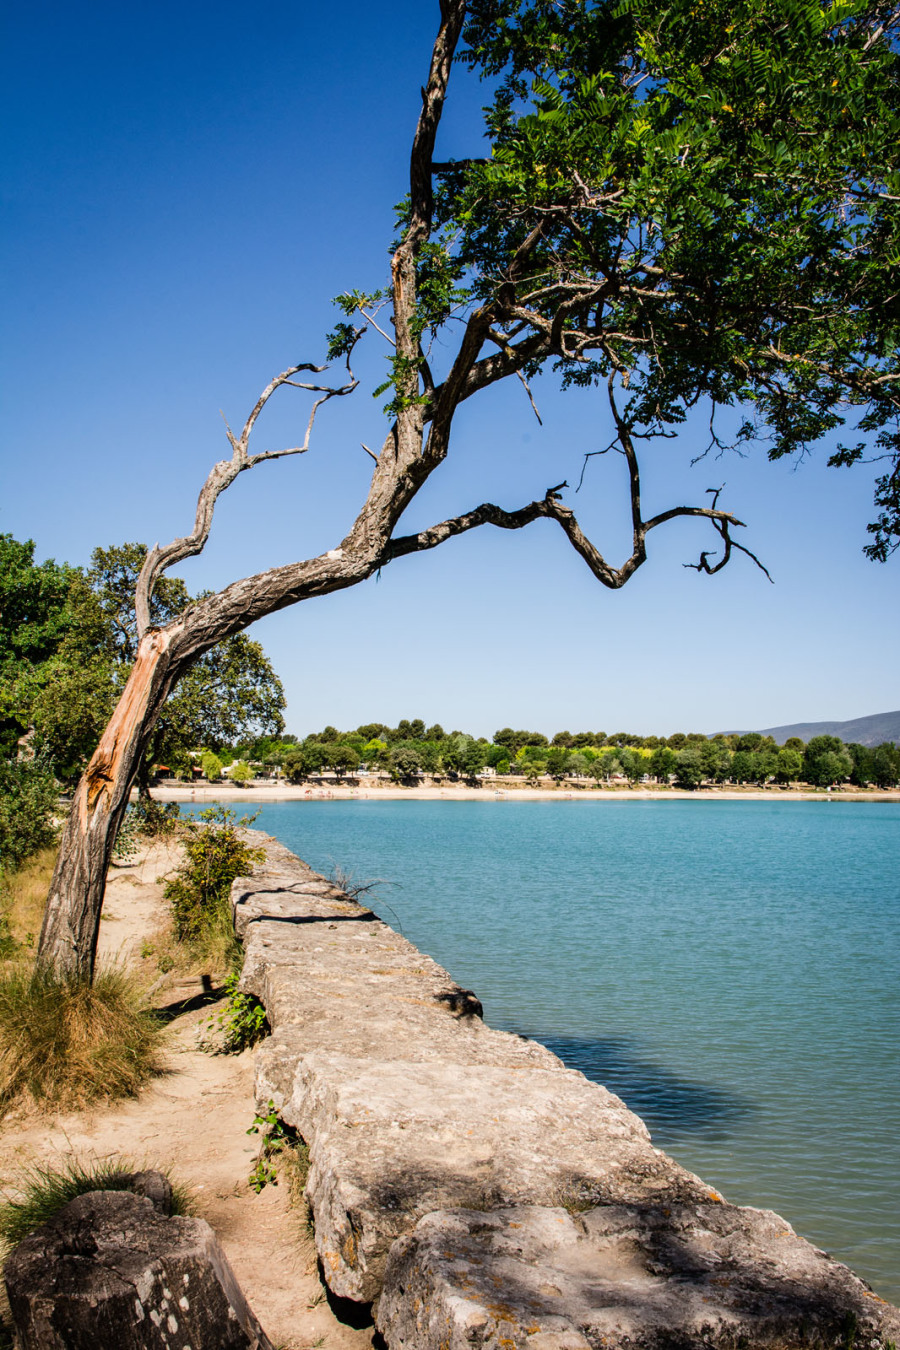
x,y
112,1272
648,1277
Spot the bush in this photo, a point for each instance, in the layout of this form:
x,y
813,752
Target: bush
x,y
156,820
211,766
199,891
127,843
46,1190
241,773
69,1043
28,800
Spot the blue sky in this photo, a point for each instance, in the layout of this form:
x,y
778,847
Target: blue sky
x,y
185,189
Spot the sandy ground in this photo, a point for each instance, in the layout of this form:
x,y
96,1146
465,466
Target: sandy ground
x,y
267,791
193,1123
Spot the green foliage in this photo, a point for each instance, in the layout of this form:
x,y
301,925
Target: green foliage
x,y
156,820
28,801
790,765
67,641
708,199
44,1191
243,1020
276,1139
242,772
342,758
211,766
405,765
34,620
199,891
127,839
557,762
826,761
662,763
69,1043
689,767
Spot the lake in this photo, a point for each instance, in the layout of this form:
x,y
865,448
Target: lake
x,y
730,969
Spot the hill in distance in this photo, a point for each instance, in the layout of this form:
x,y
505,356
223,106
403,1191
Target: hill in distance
x,y
872,730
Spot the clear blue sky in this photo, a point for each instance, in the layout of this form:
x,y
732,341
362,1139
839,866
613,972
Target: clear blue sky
x,y
185,189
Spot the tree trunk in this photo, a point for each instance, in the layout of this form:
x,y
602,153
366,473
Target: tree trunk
x,y
68,940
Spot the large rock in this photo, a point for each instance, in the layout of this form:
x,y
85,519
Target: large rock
x,y
624,1278
111,1272
391,1141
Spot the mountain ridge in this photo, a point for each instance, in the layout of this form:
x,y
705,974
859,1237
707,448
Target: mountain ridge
x,y
871,730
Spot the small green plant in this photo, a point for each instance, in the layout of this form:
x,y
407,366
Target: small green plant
x,y
45,1190
243,1019
68,1042
241,773
277,1140
199,891
127,840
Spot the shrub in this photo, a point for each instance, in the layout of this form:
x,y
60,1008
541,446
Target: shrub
x,y
46,1190
241,773
211,766
156,820
28,800
199,891
69,1043
126,845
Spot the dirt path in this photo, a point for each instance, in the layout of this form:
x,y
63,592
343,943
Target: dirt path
x,y
192,1122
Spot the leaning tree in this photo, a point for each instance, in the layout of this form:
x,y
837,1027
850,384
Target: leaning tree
x,y
681,202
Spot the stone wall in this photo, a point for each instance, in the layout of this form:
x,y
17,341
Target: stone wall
x,y
479,1193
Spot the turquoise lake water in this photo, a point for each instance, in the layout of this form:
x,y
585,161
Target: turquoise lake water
x,y
730,969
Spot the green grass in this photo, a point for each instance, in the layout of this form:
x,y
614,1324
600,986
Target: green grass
x,y
67,1043
45,1190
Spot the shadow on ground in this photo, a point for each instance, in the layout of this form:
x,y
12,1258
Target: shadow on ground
x,y
671,1107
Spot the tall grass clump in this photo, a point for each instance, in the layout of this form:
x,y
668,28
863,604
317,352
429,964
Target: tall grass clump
x,y
215,855
44,1191
69,1043
23,896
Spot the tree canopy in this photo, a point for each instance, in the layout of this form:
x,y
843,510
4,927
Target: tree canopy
x,y
686,203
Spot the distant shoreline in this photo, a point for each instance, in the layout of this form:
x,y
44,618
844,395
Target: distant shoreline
x,y
288,792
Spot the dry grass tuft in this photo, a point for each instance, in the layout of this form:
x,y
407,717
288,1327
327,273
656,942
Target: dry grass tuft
x,y
23,895
44,1191
68,1043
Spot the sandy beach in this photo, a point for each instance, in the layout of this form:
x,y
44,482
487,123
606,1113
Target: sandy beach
x,y
269,791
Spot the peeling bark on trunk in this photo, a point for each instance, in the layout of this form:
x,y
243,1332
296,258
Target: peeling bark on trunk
x,y
68,940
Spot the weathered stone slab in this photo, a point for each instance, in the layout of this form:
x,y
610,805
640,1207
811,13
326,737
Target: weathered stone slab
x,y
390,1141
624,1278
110,1272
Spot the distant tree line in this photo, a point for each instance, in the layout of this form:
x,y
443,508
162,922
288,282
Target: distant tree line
x,y
412,749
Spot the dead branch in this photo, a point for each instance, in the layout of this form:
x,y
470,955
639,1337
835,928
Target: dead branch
x,y
223,474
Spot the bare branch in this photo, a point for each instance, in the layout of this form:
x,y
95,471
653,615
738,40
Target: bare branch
x,y
722,524
551,507
222,475
527,389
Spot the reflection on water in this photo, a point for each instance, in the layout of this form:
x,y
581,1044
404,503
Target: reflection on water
x,y
671,1107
